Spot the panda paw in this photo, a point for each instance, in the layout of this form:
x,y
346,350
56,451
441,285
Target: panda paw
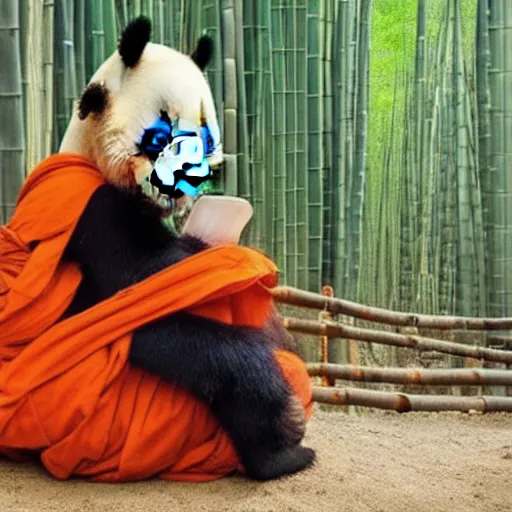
x,y
270,465
292,426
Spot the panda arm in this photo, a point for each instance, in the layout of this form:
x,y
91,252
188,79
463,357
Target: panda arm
x,y
120,240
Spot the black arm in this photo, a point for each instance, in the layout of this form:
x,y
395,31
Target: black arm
x,y
121,240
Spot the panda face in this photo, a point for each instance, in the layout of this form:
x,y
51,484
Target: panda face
x,y
136,106
179,153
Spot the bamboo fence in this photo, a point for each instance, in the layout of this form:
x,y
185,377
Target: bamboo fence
x,y
327,328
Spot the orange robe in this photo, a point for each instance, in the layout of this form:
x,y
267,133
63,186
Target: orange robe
x,y
67,390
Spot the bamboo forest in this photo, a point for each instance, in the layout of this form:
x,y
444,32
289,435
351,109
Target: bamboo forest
x,y
373,138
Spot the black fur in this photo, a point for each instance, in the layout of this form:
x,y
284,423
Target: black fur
x,y
94,99
133,40
203,52
120,240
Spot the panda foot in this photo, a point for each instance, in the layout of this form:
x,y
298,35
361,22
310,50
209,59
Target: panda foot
x,y
272,465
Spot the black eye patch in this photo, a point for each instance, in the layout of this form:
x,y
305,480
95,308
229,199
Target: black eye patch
x,y
93,100
156,137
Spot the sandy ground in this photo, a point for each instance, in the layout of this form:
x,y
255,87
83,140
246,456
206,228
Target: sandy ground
x,y
379,462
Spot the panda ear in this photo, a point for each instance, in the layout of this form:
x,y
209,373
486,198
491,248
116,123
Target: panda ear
x,y
133,40
203,52
94,99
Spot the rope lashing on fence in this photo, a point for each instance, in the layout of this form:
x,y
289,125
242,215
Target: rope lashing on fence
x,y
296,297
416,376
337,330
403,402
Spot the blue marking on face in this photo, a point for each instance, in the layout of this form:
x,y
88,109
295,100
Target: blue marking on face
x,y
179,154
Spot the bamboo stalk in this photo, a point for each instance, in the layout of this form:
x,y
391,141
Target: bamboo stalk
x,y
292,296
34,104
301,138
231,96
500,230
66,86
24,20
110,21
121,14
159,22
402,402
97,35
407,219
48,74
242,149
328,134
135,8
254,79
351,63
465,265
80,47
315,154
12,137
415,376
484,120
287,22
333,226
268,126
419,114
337,330
278,134
357,190
170,36
448,245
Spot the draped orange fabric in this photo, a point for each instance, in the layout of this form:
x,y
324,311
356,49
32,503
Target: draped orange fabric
x,y
66,388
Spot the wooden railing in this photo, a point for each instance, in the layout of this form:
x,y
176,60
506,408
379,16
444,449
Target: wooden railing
x,y
327,327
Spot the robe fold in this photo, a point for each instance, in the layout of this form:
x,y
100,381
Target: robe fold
x,y
67,390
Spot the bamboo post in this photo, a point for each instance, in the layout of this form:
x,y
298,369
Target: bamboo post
x,y
324,340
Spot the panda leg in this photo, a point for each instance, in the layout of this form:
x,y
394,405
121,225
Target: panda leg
x,y
233,370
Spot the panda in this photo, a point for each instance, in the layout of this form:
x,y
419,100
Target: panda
x,y
124,117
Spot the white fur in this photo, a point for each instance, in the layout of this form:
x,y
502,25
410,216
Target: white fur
x,y
163,79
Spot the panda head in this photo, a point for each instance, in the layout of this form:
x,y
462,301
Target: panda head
x,y
147,114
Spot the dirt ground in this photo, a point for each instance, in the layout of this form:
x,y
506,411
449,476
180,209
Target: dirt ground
x,y
379,462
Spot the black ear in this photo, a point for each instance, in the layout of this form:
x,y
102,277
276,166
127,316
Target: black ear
x,y
203,52
94,99
133,40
